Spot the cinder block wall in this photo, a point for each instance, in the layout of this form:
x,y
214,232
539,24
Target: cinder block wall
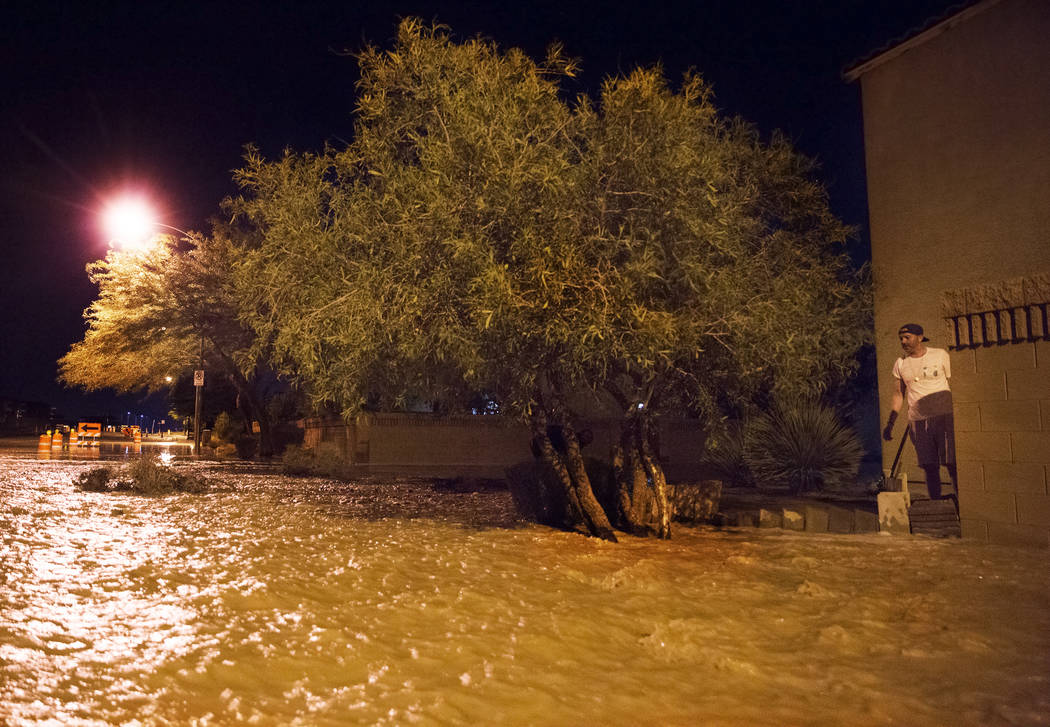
x,y
478,445
1002,409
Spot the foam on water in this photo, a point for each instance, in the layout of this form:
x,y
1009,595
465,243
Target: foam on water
x,y
276,601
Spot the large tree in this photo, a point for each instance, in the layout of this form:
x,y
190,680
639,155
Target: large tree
x,y
160,309
481,233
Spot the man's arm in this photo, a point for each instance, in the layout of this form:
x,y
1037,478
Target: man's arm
x,y
898,402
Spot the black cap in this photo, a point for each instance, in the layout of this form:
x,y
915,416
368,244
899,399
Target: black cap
x,y
913,328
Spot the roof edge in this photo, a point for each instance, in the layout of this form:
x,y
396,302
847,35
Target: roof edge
x,y
852,73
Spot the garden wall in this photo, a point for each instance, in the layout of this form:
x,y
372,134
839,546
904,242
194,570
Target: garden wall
x,y
480,446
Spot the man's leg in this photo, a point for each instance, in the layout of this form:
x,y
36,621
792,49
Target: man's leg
x,y
953,473
933,480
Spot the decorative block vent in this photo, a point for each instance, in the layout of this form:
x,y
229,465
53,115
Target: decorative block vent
x,y
997,314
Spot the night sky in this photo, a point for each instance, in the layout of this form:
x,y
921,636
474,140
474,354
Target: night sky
x,y
99,97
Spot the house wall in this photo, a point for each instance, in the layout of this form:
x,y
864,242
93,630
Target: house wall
x,y
957,144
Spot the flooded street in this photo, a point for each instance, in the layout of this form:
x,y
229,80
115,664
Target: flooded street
x,y
279,601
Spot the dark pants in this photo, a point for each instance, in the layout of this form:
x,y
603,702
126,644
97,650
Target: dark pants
x,y
934,440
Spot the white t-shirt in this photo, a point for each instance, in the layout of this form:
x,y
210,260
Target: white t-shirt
x,y
922,376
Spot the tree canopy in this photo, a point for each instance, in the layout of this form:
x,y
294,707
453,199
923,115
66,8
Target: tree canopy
x,y
484,233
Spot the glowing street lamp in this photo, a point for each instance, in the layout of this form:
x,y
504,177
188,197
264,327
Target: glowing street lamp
x,y
131,224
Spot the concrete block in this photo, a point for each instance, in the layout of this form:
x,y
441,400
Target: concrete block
x,y
1042,350
816,519
1029,446
983,446
1028,384
793,519
1033,509
893,513
974,529
968,417
979,387
971,474
1009,416
865,521
745,519
998,507
840,519
963,363
1018,535
1006,357
1036,326
770,518
1013,477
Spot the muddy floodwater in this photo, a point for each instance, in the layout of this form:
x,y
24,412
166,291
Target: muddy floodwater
x,y
279,601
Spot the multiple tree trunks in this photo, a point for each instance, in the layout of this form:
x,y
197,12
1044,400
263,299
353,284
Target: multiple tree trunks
x,y
567,466
643,507
562,489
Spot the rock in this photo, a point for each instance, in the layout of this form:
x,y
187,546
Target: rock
x,y
769,518
695,502
793,520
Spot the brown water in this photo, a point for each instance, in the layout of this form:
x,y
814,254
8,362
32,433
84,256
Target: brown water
x,y
275,601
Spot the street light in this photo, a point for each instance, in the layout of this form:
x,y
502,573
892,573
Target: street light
x,y
130,222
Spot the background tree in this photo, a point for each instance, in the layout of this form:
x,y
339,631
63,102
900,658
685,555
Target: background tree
x,y
154,309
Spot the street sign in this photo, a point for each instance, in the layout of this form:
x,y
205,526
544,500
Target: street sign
x,y
198,377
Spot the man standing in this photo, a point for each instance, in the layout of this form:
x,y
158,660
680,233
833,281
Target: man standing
x,y
922,373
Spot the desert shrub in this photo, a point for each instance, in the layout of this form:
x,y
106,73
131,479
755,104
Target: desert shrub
x,y
140,477
325,460
95,480
296,461
803,447
224,427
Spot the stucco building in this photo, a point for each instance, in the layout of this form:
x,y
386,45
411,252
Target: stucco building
x,y
957,146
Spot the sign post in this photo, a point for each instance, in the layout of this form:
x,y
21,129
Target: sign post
x,y
198,385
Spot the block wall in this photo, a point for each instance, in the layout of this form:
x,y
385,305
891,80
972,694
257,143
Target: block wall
x,y
1002,396
478,445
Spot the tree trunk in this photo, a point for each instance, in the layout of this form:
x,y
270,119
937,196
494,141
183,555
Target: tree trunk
x,y
656,477
570,473
643,504
631,485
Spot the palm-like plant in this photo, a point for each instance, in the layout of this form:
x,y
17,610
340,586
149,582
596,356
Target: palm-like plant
x,y
803,447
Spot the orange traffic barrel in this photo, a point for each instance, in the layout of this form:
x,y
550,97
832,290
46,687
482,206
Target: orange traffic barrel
x,y
138,436
45,441
72,435
56,438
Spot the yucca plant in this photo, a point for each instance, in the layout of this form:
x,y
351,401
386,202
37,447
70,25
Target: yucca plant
x,y
803,447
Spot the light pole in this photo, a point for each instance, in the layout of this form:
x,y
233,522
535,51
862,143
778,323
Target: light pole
x,y
131,222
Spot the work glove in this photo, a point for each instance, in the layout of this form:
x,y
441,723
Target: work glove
x,y
887,432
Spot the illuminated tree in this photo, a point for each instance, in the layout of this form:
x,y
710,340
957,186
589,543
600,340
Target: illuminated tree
x,y
481,234
154,309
